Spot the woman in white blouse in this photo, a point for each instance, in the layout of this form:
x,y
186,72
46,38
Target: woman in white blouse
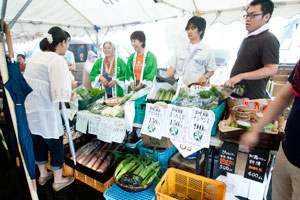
x,y
47,74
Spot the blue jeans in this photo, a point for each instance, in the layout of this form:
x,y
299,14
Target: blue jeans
x,y
56,148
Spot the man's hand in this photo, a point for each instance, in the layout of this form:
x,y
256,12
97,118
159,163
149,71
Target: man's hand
x,y
202,80
234,80
104,81
132,86
74,84
112,83
249,140
138,87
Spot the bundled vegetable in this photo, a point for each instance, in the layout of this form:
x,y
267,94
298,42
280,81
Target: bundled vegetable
x,y
83,92
95,92
165,95
136,171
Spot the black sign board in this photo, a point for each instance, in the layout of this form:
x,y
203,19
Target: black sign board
x,y
227,156
256,164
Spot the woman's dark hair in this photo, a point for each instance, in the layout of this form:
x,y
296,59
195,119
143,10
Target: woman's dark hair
x,y
58,35
198,22
21,55
139,35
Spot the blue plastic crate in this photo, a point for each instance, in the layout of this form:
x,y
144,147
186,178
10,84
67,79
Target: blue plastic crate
x,y
140,109
116,193
162,157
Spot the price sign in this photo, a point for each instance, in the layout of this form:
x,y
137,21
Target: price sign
x,y
200,125
94,122
118,130
256,164
82,121
105,127
176,119
227,157
154,121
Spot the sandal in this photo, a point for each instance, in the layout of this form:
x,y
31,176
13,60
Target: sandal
x,y
43,180
63,185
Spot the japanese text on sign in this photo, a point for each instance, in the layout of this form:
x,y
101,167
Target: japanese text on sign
x,y
228,154
256,164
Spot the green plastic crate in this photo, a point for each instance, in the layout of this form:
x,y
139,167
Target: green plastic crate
x,y
82,104
140,109
219,111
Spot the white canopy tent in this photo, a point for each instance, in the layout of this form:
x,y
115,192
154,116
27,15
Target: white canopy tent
x,y
82,17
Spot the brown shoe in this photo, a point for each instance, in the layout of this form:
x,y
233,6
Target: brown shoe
x,y
43,180
59,186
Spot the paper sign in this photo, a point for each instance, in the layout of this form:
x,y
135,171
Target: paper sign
x,y
82,121
118,130
256,164
105,128
228,154
200,125
154,121
176,119
94,122
129,115
195,132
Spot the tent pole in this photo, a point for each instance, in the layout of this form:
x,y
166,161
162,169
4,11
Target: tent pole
x,y
14,20
4,73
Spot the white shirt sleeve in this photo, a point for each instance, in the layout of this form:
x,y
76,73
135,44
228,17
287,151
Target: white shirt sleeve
x,y
60,82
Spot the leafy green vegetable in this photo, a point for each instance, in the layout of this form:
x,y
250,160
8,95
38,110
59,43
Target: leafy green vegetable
x,y
95,92
205,94
83,92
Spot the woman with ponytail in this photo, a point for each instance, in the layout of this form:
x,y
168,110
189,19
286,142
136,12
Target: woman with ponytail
x,y
47,74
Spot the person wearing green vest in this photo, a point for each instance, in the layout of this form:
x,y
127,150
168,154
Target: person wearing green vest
x,y
141,65
109,72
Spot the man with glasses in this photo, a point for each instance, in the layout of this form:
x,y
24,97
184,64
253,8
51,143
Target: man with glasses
x,y
258,56
195,62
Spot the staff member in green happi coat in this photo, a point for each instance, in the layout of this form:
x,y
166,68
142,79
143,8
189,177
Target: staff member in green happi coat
x,y
110,72
141,65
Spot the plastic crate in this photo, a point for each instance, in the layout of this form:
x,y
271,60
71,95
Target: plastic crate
x,y
176,182
162,157
116,193
140,108
219,111
101,187
82,104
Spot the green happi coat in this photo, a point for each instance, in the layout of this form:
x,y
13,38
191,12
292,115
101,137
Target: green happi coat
x,y
119,76
149,69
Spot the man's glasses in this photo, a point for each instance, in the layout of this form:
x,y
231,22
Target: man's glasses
x,y
252,15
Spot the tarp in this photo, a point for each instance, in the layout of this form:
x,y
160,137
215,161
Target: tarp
x,y
80,17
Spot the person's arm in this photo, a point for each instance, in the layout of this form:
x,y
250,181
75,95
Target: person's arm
x,y
266,71
170,72
203,79
71,67
283,100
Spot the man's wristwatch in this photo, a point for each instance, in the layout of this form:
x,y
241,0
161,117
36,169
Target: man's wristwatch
x,y
207,77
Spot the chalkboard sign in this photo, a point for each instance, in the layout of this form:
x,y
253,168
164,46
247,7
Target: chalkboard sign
x,y
227,157
256,164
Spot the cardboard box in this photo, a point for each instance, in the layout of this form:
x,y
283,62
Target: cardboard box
x,y
284,71
280,78
151,142
275,88
178,161
157,85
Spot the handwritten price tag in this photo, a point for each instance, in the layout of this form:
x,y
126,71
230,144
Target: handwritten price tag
x,y
175,121
201,122
94,122
105,127
82,121
118,130
154,121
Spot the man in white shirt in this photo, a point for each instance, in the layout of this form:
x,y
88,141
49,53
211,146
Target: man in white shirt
x,y
195,62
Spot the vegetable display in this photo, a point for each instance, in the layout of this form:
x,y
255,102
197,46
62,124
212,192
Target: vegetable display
x,y
137,171
165,95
